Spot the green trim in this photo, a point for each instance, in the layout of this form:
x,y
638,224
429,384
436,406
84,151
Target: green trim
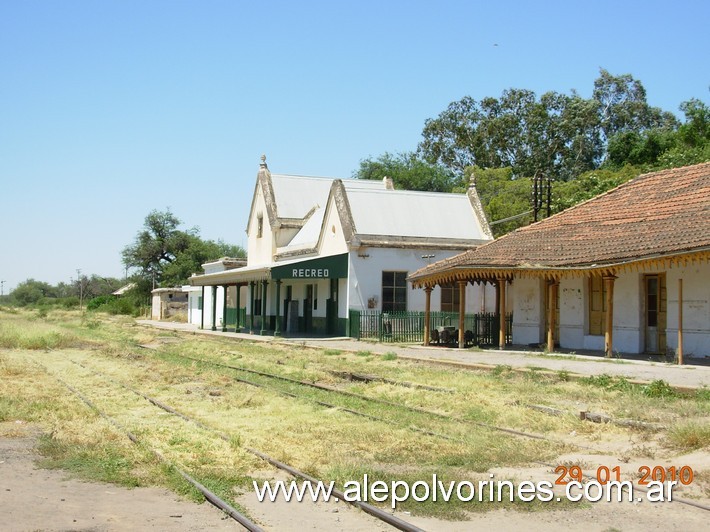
x,y
332,267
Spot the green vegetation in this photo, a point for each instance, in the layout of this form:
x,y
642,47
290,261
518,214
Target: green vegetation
x,y
586,146
327,442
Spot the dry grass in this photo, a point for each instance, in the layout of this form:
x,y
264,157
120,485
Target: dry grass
x,y
324,442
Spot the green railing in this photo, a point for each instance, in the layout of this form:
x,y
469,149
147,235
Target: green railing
x,y
408,327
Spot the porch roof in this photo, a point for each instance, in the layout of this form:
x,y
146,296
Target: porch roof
x,y
659,216
327,267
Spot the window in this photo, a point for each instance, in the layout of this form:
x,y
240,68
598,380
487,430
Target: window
x,y
394,291
259,226
199,302
597,305
450,298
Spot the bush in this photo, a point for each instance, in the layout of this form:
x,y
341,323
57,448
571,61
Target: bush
x,y
659,388
99,301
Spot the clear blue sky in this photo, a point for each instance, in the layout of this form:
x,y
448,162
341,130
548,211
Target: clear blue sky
x,y
109,109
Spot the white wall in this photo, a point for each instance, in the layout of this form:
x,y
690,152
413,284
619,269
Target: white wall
x,y
696,309
629,307
365,280
260,250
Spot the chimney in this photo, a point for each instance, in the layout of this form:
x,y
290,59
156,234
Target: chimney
x,y
388,183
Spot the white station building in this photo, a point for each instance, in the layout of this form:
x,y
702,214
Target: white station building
x,y
319,247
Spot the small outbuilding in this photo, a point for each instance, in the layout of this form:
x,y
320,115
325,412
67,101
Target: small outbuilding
x,y
169,303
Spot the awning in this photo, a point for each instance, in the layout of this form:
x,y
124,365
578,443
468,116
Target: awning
x,y
330,267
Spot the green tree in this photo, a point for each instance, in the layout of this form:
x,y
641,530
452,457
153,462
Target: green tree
x,y
191,259
165,255
30,292
407,172
503,196
588,185
157,245
623,106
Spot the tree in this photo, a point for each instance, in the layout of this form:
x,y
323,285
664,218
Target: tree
x,y
156,245
503,196
30,292
191,259
407,172
623,106
556,134
166,256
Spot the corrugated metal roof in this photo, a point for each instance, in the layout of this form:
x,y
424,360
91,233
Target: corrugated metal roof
x,y
414,214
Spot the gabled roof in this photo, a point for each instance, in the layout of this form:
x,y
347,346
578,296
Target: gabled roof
x,y
372,212
654,215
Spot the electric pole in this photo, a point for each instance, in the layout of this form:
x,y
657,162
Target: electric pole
x,y
81,289
2,288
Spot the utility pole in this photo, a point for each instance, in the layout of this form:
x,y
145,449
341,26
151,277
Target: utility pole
x,y
81,289
2,288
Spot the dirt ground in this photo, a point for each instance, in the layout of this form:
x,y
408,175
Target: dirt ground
x,y
38,499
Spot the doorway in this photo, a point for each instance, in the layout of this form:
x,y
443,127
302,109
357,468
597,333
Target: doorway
x,y
655,313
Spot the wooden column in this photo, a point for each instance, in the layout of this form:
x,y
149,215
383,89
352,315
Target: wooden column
x,y
239,299
277,326
214,308
462,313
224,309
202,310
427,313
680,322
552,285
501,307
251,307
263,307
609,326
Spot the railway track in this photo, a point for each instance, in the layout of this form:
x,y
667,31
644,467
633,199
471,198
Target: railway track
x,y
687,502
303,476
210,496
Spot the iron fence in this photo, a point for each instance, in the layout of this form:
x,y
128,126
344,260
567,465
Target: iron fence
x,y
408,327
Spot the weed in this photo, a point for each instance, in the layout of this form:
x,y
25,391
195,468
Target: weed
x,y
332,352
363,353
501,369
690,435
389,356
659,388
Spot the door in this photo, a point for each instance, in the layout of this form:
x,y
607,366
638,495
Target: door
x,y
655,313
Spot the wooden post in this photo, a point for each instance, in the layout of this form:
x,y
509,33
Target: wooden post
x,y
501,305
680,321
263,307
609,326
462,313
427,311
214,308
224,309
277,326
551,314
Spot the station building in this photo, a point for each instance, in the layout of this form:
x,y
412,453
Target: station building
x,y
319,247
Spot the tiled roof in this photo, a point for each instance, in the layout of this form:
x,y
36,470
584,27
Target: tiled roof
x,y
656,214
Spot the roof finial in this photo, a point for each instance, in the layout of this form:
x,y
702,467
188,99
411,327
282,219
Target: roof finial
x,y
263,161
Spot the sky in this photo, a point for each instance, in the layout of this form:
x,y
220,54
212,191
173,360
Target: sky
x,y
111,109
